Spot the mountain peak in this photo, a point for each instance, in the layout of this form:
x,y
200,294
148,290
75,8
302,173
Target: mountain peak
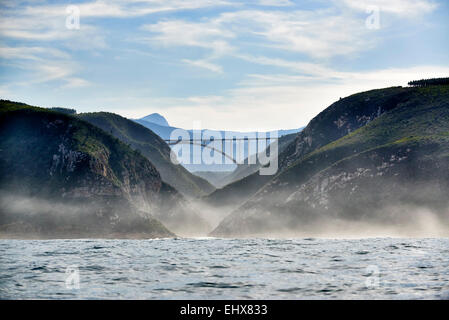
x,y
156,118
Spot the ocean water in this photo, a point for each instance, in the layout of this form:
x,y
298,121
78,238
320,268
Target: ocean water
x,y
209,268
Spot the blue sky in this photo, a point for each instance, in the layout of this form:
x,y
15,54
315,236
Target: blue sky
x,y
228,64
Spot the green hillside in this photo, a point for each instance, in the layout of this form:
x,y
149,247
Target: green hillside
x,y
336,121
59,161
384,163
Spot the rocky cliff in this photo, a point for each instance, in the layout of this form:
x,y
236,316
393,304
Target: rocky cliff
x,y
61,176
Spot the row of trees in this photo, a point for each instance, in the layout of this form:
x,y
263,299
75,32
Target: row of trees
x,y
64,110
429,82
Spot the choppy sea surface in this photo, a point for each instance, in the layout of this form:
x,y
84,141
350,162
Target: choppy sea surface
x,y
209,268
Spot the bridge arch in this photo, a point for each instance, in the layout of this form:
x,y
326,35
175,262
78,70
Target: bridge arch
x,y
171,143
204,143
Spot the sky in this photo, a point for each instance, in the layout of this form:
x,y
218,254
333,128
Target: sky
x,y
217,64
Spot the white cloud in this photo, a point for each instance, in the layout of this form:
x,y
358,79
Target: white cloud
x,y
31,53
209,36
48,29
182,33
276,101
410,8
259,101
205,64
42,64
76,83
307,69
52,71
46,22
320,34
123,8
275,3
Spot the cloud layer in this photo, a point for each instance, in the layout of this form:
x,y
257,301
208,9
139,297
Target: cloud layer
x,y
261,64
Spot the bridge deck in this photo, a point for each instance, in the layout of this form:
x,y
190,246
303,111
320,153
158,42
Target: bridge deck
x,y
223,139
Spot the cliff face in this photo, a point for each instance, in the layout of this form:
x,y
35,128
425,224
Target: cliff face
x,y
51,158
388,172
341,118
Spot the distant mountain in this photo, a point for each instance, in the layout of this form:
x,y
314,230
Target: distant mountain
x,y
63,177
154,148
377,159
156,118
161,130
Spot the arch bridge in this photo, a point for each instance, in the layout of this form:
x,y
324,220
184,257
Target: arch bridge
x,y
205,143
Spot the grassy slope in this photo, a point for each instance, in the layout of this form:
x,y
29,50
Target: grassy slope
x,y
85,137
423,115
152,147
419,122
342,117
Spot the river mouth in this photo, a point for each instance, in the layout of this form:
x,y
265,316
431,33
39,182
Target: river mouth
x,y
213,268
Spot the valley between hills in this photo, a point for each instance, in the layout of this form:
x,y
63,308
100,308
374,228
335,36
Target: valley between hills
x,y
374,163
